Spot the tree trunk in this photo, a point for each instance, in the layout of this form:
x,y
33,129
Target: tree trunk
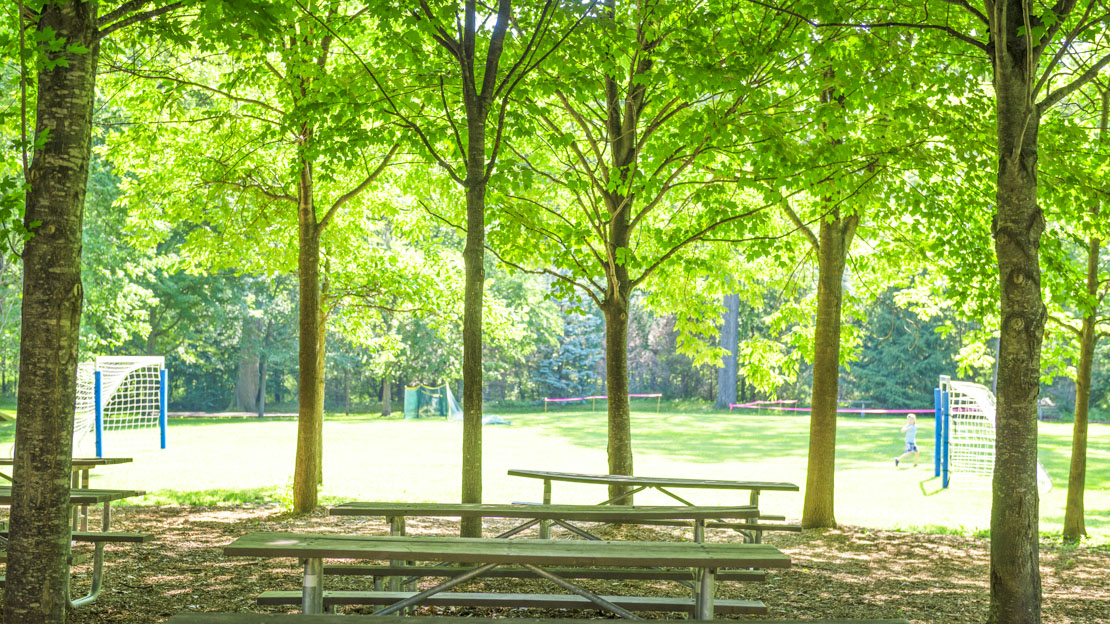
x,y
1015,579
306,469
261,385
619,449
835,239
474,260
37,574
1074,524
730,342
246,385
347,391
387,396
321,377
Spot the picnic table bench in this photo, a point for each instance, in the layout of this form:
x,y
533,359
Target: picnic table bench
x,y
752,528
286,618
563,515
488,554
80,467
97,538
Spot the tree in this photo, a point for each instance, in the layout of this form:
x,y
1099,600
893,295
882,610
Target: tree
x,y
730,343
65,43
477,90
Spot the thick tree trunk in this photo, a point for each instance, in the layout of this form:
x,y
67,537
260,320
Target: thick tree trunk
x,y
474,259
246,384
37,574
306,469
835,238
619,449
730,342
1015,578
387,396
1074,523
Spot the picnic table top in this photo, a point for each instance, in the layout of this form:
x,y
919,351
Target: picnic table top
x,y
82,462
584,513
675,482
297,618
79,496
488,550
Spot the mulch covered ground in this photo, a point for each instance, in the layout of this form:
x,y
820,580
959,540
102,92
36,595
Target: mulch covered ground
x,y
847,572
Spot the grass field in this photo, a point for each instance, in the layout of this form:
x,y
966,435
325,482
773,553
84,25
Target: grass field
x,y
369,458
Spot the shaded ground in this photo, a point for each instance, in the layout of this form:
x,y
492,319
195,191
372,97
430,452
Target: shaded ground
x,y
848,572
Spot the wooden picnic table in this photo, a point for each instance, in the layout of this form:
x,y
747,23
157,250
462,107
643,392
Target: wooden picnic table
x,y
490,553
80,466
663,484
297,618
85,497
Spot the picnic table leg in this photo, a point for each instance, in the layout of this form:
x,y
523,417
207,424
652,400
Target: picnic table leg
x,y
312,589
75,482
397,529
703,603
106,516
756,536
85,508
699,537
545,526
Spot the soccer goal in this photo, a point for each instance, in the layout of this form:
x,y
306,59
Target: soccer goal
x,y
121,403
965,427
431,402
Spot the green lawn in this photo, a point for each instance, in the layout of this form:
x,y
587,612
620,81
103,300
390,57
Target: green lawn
x,y
391,459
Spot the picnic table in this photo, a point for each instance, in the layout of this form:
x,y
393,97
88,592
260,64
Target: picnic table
x,y
534,555
97,538
80,467
753,531
289,618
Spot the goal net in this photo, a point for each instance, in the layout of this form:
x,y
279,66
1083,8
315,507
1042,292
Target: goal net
x,y
966,431
121,403
431,402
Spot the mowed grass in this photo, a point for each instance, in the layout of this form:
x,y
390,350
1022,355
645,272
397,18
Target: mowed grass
x,y
370,458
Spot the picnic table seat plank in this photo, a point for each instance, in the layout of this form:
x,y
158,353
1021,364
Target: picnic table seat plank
x,y
574,477
104,536
289,618
535,552
604,574
580,513
510,600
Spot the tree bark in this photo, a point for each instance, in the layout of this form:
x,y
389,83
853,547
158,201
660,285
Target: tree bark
x,y
1015,579
474,260
619,449
306,469
834,241
321,377
246,384
387,396
730,342
37,574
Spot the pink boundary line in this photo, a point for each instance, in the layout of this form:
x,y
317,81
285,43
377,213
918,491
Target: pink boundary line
x,y
601,396
766,405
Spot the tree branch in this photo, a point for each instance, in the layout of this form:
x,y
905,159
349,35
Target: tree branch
x,y
104,31
802,227
351,194
1054,97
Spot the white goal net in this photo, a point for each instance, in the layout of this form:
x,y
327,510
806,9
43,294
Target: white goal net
x,y
971,430
131,404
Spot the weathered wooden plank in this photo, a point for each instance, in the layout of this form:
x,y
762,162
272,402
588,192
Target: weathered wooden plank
x,y
517,601
582,513
286,618
675,482
607,574
74,558
103,536
80,497
535,552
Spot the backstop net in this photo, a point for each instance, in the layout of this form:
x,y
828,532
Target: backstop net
x,y
431,402
121,404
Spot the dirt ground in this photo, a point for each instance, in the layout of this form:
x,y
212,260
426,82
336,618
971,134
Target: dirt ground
x,y
846,572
